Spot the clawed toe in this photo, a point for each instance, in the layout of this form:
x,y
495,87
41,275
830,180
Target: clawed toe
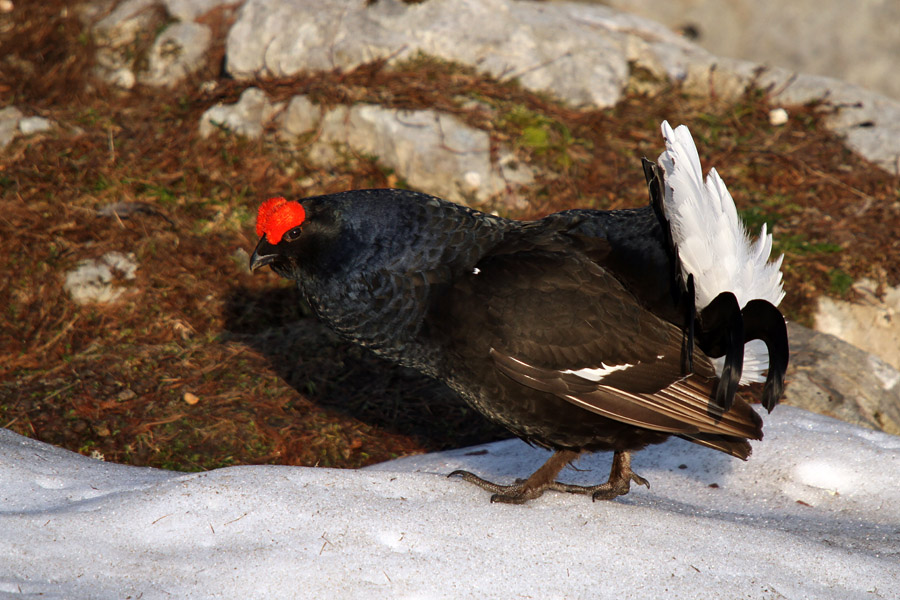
x,y
516,493
482,483
620,478
614,489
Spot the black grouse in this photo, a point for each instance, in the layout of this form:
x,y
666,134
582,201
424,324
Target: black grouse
x,y
583,331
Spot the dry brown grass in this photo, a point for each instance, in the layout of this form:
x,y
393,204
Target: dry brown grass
x,y
273,387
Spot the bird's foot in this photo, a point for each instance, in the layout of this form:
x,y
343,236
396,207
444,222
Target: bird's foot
x,y
523,491
618,484
620,478
604,491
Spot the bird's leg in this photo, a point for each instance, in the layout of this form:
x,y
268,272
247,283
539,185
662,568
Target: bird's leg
x,y
534,486
620,478
618,484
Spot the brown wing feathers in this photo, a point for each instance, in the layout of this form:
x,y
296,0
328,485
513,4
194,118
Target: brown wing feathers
x,y
681,408
596,347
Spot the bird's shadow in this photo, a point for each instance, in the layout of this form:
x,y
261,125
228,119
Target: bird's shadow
x,y
340,376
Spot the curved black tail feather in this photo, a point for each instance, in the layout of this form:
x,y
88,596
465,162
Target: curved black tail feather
x,y
762,321
721,333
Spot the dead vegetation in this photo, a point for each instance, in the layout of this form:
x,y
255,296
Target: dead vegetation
x,y
201,365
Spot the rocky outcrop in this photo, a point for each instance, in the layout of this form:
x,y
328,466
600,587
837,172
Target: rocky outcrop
x,y
247,117
156,42
584,54
831,377
587,55
431,150
871,321
850,41
543,47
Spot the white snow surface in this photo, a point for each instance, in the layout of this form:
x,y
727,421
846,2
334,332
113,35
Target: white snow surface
x,y
814,513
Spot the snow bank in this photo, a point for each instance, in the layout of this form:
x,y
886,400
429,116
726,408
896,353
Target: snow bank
x,y
815,513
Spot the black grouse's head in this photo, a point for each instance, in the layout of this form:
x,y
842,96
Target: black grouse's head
x,y
295,237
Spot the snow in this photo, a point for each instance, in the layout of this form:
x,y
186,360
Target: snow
x,y
814,513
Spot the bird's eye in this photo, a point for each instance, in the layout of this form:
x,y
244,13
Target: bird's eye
x,y
292,235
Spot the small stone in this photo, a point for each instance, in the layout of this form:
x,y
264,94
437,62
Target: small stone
x,y
778,117
178,51
30,125
186,332
300,117
247,117
242,259
472,179
190,398
9,124
188,10
123,264
92,280
123,78
126,395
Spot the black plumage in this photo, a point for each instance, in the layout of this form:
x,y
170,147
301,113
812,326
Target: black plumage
x,y
576,332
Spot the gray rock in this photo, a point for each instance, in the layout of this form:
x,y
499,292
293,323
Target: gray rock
x,y
578,59
176,53
831,377
871,322
128,50
93,280
123,35
857,42
583,54
127,21
9,124
30,125
868,121
301,116
433,151
122,77
188,10
247,117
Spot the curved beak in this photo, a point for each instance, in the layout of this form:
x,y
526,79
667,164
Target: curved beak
x,y
263,255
